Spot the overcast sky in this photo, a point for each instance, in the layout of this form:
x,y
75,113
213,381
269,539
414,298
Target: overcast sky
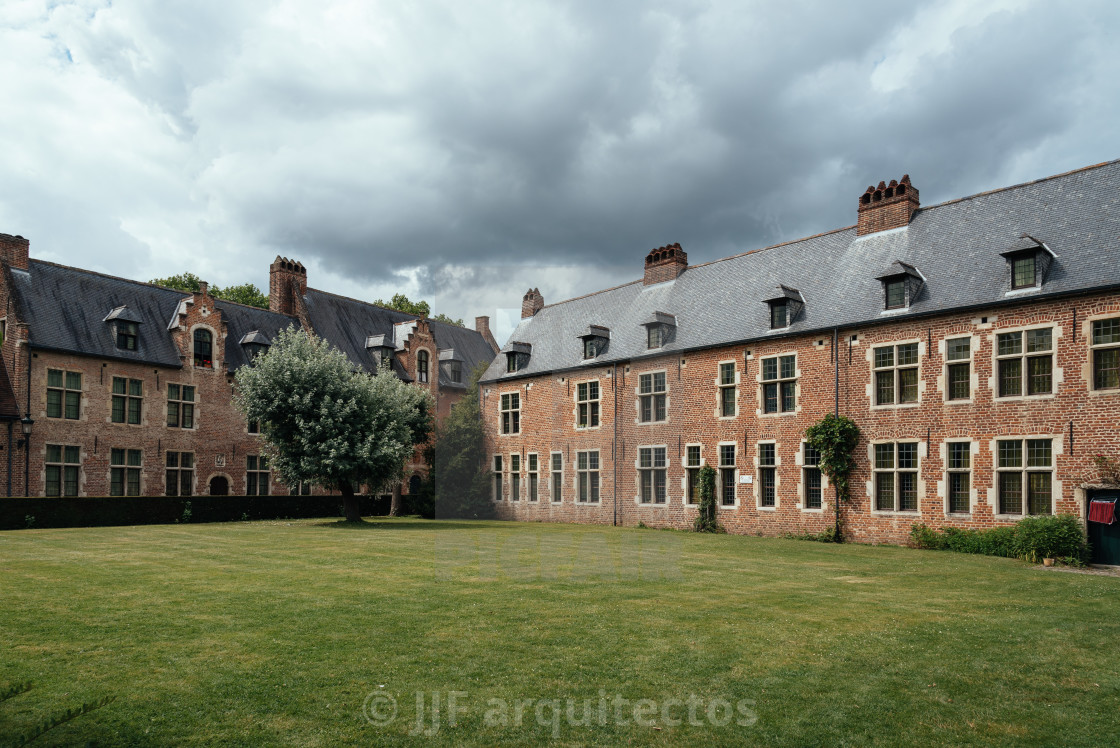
x,y
463,151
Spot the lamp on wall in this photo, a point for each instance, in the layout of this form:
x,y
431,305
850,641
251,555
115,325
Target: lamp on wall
x,y
25,424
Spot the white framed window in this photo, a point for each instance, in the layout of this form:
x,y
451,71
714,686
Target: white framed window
x,y
652,397
896,374
1105,344
499,484
587,470
727,475
652,475
533,476
958,477
767,475
557,477
727,389
510,409
692,463
1025,476
515,477
1025,362
896,476
811,477
587,404
779,384
958,369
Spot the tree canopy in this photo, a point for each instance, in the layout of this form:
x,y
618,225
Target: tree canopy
x,y
246,293
402,303
326,421
462,487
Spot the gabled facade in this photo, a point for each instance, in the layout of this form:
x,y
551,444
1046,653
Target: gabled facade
x,y
129,385
976,343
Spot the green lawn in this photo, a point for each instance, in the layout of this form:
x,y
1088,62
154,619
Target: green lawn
x,y
278,632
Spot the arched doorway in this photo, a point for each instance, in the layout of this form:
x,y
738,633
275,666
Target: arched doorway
x,y
219,486
414,485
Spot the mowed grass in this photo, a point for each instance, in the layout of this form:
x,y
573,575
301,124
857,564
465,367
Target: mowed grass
x,y
278,632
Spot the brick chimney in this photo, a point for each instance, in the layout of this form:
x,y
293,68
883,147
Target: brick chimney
x,y
16,251
482,327
665,264
531,303
888,206
286,279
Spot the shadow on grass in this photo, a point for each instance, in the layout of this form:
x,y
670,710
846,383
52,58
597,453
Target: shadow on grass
x,y
408,523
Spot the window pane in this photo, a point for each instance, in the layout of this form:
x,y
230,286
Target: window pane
x,y
727,455
133,482
884,357
135,387
73,403
72,456
581,392
557,462
958,493
727,401
812,456
659,407
73,380
812,488
1023,270
767,492
659,382
69,481
1010,454
727,373
54,481
116,457
779,315
659,457
770,398
186,478
960,455
54,377
727,487
884,456
172,392
765,454
907,385
54,453
186,460
593,390
54,404
1010,378
645,383
171,482
884,387
532,463
172,459
959,386
118,409
116,482
908,456
581,460
645,457
788,396
134,410
1039,379
884,491
694,456
1010,343
908,354
188,416
896,294
1106,331
908,492
514,463
769,368
1039,453
134,457
788,366
1038,340
1038,488
957,349
1106,369
594,486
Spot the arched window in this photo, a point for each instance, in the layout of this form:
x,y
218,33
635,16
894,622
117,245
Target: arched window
x,y
422,366
203,349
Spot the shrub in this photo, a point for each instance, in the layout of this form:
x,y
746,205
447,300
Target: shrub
x,y
1058,536
923,537
706,516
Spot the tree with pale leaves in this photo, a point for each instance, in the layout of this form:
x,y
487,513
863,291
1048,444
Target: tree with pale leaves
x,y
326,421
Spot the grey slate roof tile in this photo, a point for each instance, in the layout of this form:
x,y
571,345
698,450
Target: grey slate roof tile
x,y
955,246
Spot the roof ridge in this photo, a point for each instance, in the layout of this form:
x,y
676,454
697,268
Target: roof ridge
x,y
106,275
247,306
848,228
359,301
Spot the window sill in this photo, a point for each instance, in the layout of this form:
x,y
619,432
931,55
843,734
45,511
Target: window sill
x,y
766,508
818,510
651,504
588,428
896,406
588,503
1024,398
651,423
727,418
962,401
778,414
895,513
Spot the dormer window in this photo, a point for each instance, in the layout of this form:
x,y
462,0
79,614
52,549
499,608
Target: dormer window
x,y
902,285
784,307
1028,261
659,330
255,344
517,356
595,340
381,349
126,328
203,349
456,372
451,365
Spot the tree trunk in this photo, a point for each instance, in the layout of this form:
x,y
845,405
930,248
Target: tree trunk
x,y
350,504
395,506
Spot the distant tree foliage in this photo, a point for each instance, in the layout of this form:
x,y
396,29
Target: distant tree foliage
x,y
402,303
460,482
246,293
326,421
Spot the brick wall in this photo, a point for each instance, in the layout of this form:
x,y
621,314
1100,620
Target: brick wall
x,y
548,411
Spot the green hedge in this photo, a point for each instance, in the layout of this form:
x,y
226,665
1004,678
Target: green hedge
x,y
105,511
1031,539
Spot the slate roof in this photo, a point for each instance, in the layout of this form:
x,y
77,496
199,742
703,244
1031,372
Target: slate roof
x,y
956,246
349,323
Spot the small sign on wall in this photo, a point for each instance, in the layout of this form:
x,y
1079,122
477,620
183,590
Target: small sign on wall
x,y
220,461
746,478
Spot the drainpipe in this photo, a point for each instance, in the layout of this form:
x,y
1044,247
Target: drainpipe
x,y
9,493
836,412
614,445
27,439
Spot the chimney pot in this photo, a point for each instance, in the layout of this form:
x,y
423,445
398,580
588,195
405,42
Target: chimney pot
x,y
886,206
665,264
531,303
16,251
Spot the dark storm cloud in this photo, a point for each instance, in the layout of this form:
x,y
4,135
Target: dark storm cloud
x,y
455,149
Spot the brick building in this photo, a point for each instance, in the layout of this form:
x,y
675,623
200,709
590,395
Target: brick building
x,y
976,343
129,386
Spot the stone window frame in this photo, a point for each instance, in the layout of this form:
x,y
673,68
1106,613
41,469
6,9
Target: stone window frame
x,y
423,375
556,471
921,455
943,486
973,376
1090,374
873,385
597,402
532,477
734,468
64,389
689,470
721,387
1057,374
759,467
514,473
497,471
127,397
761,385
597,488
502,411
63,465
193,404
652,395
1056,448
803,485
653,468
214,345
178,470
